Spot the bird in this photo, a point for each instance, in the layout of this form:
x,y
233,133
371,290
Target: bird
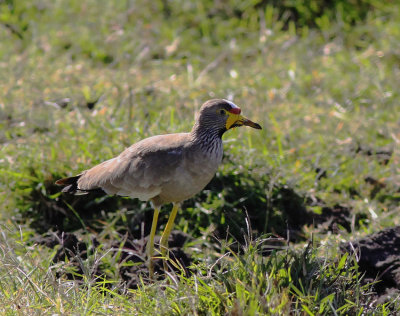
x,y
164,169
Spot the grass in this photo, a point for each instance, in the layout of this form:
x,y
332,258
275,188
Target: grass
x,y
80,82
289,281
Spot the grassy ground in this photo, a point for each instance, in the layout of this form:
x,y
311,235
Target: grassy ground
x,y
84,79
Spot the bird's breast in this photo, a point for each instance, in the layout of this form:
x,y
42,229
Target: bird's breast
x,y
196,171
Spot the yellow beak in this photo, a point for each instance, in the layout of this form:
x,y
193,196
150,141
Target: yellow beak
x,y
236,120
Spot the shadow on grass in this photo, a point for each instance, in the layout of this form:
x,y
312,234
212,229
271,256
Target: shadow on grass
x,y
237,206
233,204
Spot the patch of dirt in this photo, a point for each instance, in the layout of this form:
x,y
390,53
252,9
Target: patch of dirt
x,y
296,210
379,257
132,260
335,218
376,186
383,155
329,219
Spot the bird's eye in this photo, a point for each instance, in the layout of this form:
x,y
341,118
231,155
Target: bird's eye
x,y
222,112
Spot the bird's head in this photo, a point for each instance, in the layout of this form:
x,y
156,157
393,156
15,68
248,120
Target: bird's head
x,y
222,115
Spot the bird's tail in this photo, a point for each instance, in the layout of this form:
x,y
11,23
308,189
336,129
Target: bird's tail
x,y
70,185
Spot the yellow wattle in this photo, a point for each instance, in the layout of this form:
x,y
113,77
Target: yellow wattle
x,y
232,119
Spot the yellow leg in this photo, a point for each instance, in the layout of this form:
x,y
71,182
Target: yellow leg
x,y
166,233
150,243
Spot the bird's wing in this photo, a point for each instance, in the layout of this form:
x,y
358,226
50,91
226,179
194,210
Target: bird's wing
x,y
140,170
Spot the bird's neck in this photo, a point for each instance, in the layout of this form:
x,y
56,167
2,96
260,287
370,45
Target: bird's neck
x,y
207,133
208,137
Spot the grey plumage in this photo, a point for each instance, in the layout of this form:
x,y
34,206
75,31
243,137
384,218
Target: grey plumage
x,y
165,168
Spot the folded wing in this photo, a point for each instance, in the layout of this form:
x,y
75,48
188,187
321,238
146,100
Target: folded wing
x,y
140,170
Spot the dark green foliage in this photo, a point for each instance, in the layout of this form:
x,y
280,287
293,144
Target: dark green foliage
x,y
315,13
205,21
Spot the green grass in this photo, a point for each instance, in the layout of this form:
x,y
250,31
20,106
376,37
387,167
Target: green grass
x,y
83,80
289,280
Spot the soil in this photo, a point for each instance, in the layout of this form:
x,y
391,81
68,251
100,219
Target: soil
x,y
334,219
383,155
379,258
